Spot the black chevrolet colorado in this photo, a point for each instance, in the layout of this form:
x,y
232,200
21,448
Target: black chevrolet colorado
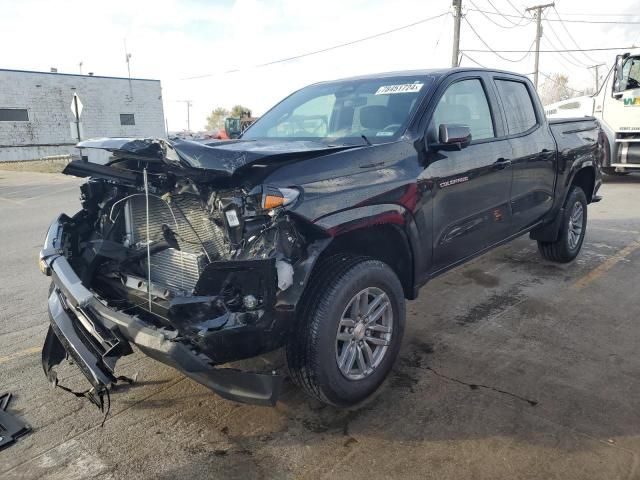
x,y
309,231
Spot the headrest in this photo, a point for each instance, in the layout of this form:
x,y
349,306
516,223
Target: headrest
x,y
375,117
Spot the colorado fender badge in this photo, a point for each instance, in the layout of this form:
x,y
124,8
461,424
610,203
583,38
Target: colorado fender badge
x,y
454,181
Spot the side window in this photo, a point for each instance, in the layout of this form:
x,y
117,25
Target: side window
x,y
465,103
521,116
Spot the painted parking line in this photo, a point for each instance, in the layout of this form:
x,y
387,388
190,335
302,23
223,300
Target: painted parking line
x,y
19,354
605,266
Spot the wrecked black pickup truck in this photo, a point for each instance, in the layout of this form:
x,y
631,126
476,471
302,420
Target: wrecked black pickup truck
x,y
309,231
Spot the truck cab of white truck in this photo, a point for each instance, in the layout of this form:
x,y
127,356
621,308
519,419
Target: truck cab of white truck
x,y
617,107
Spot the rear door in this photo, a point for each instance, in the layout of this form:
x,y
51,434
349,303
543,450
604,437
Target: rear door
x,y
471,187
534,152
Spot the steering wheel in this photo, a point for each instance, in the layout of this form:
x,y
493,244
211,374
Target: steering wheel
x,y
300,128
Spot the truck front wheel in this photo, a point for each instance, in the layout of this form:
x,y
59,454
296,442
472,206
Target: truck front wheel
x,y
349,332
573,227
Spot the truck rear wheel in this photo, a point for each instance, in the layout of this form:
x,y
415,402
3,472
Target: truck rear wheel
x,y
349,332
572,229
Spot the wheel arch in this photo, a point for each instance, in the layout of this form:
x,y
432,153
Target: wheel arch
x,y
583,177
384,232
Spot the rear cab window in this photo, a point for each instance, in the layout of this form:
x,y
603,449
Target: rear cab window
x,y
519,111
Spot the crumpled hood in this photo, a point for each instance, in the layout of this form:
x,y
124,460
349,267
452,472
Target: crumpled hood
x,y
224,157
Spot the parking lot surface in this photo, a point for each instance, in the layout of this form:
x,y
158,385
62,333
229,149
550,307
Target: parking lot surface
x,y
512,367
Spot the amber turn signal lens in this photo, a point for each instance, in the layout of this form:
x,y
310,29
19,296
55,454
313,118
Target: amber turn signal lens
x,y
273,201
44,268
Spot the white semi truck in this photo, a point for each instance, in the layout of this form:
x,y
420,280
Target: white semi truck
x,y
617,107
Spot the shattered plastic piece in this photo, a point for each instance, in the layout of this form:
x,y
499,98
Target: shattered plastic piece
x,y
285,274
10,427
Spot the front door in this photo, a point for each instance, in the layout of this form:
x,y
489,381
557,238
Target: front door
x,y
471,187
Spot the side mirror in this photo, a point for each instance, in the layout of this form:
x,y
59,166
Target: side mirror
x,y
618,75
452,137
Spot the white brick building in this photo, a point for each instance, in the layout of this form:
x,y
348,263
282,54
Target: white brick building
x,y
36,119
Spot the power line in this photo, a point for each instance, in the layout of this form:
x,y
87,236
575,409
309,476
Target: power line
x,y
628,22
513,6
555,34
322,50
599,14
512,25
570,57
571,36
496,52
552,51
564,55
472,59
519,24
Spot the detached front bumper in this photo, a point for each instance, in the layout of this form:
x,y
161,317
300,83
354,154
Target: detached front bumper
x,y
96,336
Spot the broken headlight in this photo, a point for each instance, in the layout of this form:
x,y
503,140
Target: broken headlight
x,y
267,197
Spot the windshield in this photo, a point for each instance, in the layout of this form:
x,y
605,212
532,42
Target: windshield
x,y
342,112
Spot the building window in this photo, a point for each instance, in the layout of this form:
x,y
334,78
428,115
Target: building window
x,y
127,119
14,115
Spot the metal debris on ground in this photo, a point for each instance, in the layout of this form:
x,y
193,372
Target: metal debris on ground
x,y
10,427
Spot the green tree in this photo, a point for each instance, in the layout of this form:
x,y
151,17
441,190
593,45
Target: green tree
x,y
215,121
237,111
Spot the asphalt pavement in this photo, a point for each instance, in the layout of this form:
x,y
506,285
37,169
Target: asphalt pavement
x,y
512,367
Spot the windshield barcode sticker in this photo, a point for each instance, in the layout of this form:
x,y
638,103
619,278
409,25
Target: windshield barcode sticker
x,y
406,88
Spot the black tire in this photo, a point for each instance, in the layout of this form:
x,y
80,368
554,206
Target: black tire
x,y
564,249
312,348
612,172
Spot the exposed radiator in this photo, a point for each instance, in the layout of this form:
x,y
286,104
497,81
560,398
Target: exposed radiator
x,y
178,270
189,216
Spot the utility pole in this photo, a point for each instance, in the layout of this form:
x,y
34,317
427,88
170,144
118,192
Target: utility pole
x,y
189,104
595,67
538,13
80,65
457,16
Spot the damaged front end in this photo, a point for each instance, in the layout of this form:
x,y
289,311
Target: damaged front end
x,y
195,270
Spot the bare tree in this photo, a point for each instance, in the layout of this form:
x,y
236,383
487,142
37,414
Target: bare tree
x,y
556,88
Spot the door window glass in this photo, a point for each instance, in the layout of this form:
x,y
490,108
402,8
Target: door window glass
x,y
521,116
465,103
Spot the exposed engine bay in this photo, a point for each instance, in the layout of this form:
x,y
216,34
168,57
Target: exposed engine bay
x,y
188,257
